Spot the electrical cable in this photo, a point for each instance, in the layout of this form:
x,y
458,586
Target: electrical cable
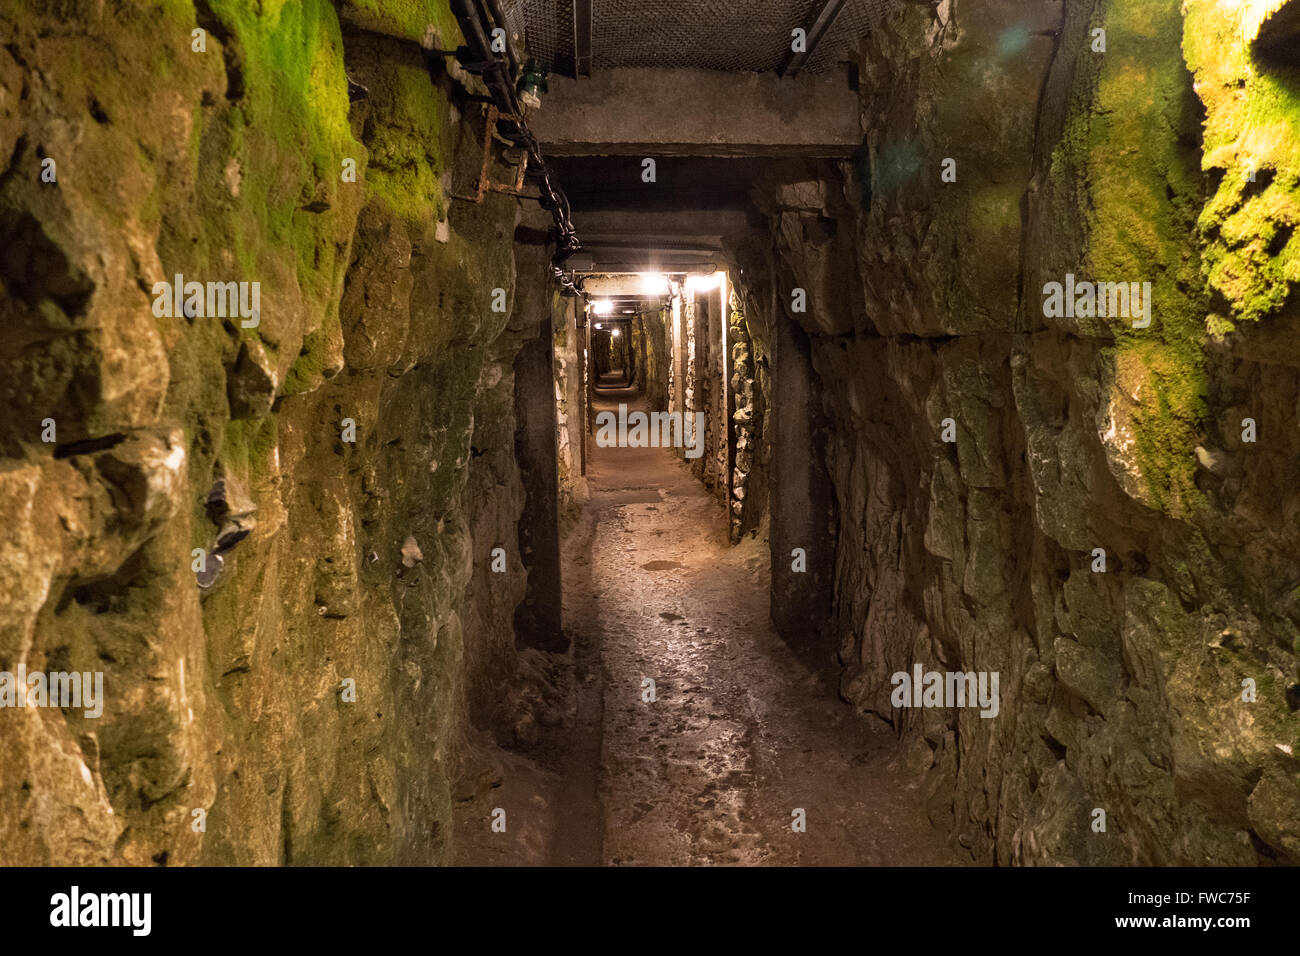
x,y
497,74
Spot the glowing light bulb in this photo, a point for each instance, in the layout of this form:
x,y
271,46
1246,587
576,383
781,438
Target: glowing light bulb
x,y
654,284
704,283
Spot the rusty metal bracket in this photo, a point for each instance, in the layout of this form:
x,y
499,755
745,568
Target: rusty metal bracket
x,y
485,184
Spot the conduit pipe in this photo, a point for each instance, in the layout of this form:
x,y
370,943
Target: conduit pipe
x,y
498,75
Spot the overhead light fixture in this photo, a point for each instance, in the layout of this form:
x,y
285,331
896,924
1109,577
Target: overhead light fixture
x,y
603,307
704,283
599,326
652,283
614,332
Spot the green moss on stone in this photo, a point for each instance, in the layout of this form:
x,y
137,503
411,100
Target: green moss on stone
x,y
307,372
289,135
1252,126
409,142
1127,141
410,19
247,447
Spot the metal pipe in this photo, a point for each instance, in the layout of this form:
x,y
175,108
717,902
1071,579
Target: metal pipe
x,y
494,71
494,7
499,79
813,33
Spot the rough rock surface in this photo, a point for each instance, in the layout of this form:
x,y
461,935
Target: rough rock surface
x,y
349,418
273,533
708,764
1121,690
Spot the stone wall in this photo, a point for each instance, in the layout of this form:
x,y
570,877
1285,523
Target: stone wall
x,y
708,387
752,306
748,476
655,358
569,410
1097,530
341,457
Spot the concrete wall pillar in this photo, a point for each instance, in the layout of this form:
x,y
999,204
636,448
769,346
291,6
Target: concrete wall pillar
x,y
802,502
701,382
570,404
627,351
677,356
584,375
537,618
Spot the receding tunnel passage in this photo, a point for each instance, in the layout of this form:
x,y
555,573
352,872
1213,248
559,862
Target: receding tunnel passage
x,y
713,730
590,432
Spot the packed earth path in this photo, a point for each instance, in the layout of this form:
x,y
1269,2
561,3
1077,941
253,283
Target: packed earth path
x,y
741,732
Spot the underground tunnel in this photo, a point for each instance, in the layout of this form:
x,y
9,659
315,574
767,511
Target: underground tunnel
x,y
595,433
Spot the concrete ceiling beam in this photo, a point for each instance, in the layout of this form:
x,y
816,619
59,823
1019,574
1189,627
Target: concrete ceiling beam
x,y
666,224
671,112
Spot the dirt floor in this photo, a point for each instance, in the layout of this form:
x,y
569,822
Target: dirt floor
x,y
742,732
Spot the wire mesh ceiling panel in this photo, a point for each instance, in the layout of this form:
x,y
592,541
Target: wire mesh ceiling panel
x,y
856,19
698,34
516,19
704,34
547,27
